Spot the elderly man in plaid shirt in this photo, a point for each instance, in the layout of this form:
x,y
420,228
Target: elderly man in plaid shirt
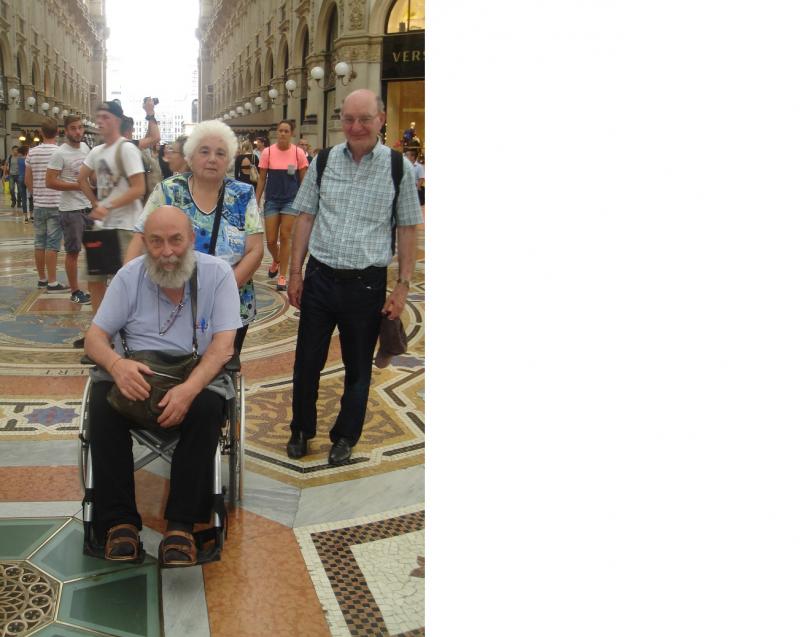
x,y
345,226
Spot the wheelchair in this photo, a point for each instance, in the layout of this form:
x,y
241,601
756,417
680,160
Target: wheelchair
x,y
209,541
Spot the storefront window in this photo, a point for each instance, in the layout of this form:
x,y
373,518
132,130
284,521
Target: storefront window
x,y
405,115
406,15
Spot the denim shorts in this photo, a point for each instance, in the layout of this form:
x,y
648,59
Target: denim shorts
x,y
276,207
47,229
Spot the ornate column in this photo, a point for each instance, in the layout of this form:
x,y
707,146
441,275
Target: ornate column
x,y
312,127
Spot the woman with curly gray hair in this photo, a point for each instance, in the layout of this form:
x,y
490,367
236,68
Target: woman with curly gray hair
x,y
210,151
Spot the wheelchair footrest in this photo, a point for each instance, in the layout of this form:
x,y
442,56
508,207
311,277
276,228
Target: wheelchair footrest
x,y
214,552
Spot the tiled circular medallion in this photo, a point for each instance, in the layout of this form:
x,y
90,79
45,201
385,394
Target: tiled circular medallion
x,y
28,598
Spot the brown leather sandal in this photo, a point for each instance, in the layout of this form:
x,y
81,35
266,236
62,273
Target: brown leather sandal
x,y
122,534
185,546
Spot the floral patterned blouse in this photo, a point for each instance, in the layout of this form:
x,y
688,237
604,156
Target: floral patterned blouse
x,y
240,218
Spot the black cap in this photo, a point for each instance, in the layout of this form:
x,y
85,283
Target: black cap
x,y
112,107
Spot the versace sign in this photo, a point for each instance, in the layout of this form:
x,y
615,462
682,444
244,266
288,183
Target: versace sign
x,y
404,56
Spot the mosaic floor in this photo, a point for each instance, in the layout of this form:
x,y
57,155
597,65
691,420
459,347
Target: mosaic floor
x,y
313,550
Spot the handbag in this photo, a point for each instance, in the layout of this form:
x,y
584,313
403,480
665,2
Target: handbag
x,y
169,370
103,251
253,169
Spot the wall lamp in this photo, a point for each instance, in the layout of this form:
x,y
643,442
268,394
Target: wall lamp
x,y
248,106
344,73
45,106
316,74
55,111
259,102
273,96
13,93
31,101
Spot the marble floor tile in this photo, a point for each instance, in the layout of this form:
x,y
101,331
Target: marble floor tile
x,y
261,586
39,453
184,602
364,496
270,498
40,509
39,484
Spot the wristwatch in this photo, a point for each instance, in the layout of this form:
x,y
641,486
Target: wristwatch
x,y
405,282
151,118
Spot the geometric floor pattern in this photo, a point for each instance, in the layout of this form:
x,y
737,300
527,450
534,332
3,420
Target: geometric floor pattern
x,y
312,549
47,583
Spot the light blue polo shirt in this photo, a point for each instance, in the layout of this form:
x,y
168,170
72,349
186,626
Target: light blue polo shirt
x,y
135,303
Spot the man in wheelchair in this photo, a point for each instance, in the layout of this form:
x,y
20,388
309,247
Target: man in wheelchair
x,y
152,300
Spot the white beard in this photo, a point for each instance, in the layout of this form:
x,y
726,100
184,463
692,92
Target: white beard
x,y
170,279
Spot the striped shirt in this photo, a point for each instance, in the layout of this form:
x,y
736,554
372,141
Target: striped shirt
x,y
37,159
353,209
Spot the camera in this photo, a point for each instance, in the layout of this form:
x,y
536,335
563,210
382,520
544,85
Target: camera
x,y
155,101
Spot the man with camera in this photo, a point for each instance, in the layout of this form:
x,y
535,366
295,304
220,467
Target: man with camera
x,y
152,169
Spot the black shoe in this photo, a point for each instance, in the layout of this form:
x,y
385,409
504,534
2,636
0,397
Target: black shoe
x,y
79,344
340,452
297,446
41,284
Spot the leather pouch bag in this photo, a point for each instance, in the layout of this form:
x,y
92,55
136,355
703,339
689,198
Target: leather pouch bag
x,y
169,371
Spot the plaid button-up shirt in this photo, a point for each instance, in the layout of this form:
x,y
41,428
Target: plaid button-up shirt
x,y
353,209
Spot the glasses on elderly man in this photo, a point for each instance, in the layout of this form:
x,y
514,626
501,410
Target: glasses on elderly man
x,y
364,120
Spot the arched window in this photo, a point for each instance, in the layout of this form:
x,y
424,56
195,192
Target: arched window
x,y
406,15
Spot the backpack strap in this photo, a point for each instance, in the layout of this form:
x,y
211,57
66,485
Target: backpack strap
x,y
118,162
322,161
397,177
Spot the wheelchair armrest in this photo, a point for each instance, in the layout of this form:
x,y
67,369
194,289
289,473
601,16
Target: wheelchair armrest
x,y
234,364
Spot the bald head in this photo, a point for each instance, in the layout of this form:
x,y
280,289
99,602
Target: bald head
x,y
361,99
167,216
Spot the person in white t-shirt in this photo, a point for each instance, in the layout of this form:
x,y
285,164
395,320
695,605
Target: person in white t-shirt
x,y
117,168
73,207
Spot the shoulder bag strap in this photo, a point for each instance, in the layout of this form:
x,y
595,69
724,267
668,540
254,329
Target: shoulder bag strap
x,y
193,297
212,247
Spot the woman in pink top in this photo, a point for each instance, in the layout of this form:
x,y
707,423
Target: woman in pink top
x,y
283,166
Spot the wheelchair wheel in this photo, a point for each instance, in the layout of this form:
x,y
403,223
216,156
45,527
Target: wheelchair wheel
x,y
83,435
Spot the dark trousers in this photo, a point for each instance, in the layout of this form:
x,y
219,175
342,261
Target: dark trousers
x,y
192,472
354,306
13,190
22,195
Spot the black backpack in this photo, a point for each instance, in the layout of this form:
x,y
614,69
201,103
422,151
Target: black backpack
x,y
397,177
